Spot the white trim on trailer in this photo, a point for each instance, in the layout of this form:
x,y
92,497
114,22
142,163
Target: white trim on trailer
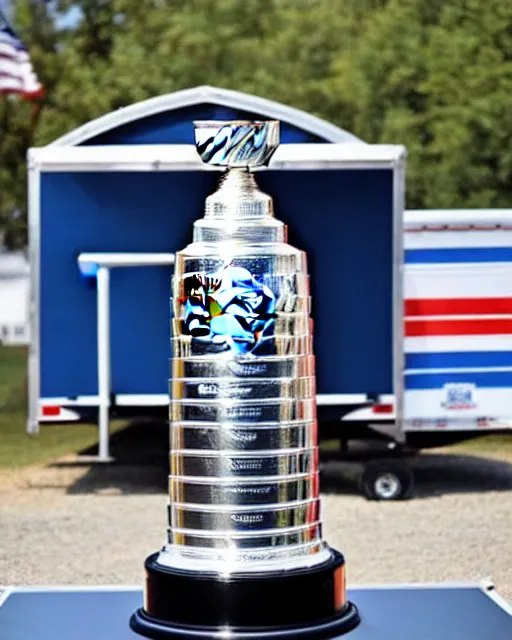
x,y
450,344
456,424
78,401
162,399
434,370
457,280
346,156
368,415
207,95
64,415
398,298
469,316
143,400
338,399
331,399
417,219
34,215
461,269
453,238
176,157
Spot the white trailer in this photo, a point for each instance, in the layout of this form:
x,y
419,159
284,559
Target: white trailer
x,y
458,320
457,343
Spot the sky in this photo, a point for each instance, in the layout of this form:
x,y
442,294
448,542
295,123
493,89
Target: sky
x,y
69,19
4,6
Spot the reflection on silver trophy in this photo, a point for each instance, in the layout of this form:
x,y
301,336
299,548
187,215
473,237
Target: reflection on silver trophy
x,y
244,464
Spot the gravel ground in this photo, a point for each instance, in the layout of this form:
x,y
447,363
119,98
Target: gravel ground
x,y
75,523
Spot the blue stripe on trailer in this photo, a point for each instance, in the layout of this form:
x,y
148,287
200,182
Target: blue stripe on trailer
x,y
487,379
458,254
448,360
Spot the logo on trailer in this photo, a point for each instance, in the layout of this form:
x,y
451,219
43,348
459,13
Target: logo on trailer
x,y
459,396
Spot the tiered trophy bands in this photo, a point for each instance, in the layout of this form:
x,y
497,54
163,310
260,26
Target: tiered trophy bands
x,y
245,556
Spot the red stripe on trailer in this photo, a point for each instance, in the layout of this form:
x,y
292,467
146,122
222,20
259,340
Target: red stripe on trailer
x,y
51,410
458,306
416,328
382,408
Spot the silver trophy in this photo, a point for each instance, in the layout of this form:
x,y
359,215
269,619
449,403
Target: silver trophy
x,y
244,512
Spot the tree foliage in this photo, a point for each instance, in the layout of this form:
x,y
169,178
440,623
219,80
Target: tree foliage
x,y
435,75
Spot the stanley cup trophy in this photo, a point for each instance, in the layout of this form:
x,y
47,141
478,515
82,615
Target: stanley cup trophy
x,y
245,556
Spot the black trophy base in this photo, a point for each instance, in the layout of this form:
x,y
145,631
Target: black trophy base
x,y
299,603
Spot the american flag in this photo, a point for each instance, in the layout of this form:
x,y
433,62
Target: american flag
x,y
16,72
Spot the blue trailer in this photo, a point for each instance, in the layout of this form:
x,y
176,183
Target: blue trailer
x,y
112,201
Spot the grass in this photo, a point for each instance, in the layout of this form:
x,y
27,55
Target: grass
x,y
491,445
487,445
17,448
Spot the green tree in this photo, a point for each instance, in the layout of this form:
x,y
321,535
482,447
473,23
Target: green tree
x,y
123,51
435,75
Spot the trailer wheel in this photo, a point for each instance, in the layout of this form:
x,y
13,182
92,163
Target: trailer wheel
x,y
386,480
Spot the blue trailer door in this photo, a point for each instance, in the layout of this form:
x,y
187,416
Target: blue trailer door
x,y
342,218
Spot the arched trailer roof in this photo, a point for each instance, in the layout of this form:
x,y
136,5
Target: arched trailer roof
x,y
102,129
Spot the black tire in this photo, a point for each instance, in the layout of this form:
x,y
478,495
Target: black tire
x,y
386,480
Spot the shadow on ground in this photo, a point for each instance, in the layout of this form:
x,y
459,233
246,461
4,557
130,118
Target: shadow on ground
x,y
141,465
435,474
140,462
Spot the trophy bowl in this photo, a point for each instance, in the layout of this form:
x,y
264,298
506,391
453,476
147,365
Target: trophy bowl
x,y
236,144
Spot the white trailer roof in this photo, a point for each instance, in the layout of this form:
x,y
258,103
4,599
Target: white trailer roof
x,y
185,157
